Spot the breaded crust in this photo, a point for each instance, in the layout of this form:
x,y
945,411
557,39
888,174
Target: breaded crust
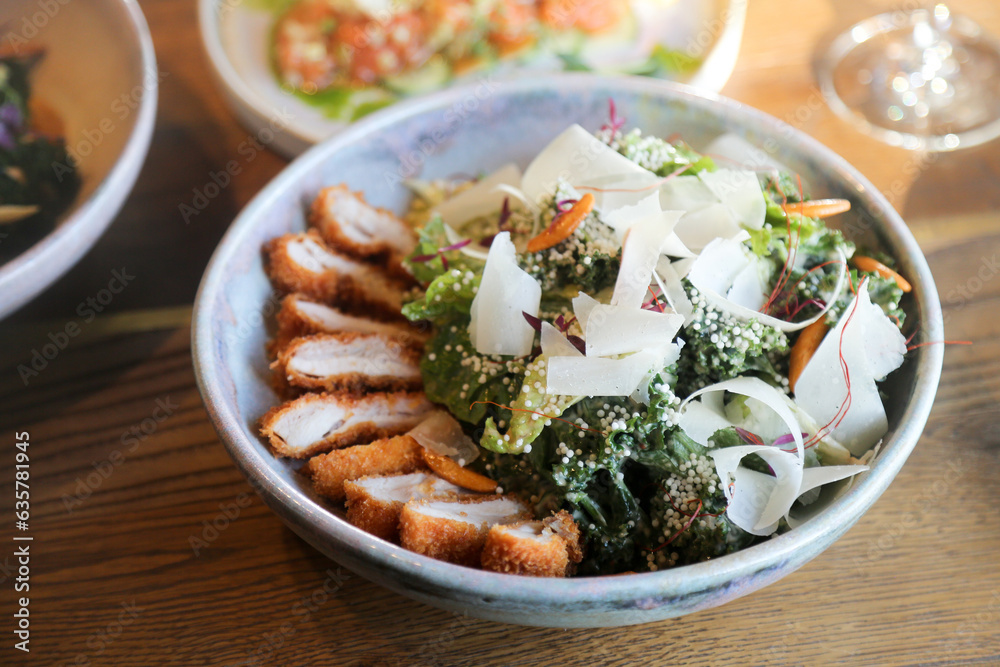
x,y
449,539
563,525
315,423
514,550
358,363
347,222
302,316
374,503
332,278
389,456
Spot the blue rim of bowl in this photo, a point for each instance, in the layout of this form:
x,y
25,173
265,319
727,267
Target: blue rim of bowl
x,y
108,196
299,510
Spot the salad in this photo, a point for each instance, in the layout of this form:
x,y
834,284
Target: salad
x,y
674,348
30,145
350,57
628,356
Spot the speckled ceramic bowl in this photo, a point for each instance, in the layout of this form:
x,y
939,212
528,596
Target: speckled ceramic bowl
x,y
475,129
99,75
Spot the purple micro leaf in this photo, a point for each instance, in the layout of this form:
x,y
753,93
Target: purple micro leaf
x,y
578,343
535,323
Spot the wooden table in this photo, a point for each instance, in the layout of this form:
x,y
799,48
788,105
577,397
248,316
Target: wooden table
x,y
127,473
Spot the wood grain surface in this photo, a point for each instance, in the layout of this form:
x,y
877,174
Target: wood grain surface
x,y
150,548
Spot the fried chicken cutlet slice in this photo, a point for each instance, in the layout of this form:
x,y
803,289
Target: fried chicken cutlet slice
x,y
353,362
351,225
455,530
315,423
374,503
548,548
300,316
388,456
303,263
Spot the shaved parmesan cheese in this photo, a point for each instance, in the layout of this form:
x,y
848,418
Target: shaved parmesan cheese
x,y
741,192
583,304
855,416
814,478
715,273
670,286
639,256
622,329
620,216
699,227
757,501
718,265
497,324
758,506
686,193
575,156
674,247
555,344
442,434
481,199
598,376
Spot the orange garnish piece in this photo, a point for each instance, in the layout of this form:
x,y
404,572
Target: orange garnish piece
x,y
804,349
870,265
563,224
450,471
817,208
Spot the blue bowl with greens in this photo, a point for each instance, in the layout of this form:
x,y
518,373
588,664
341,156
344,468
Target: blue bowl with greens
x,y
476,130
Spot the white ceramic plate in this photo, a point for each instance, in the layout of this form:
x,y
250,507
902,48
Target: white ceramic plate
x,y
236,36
99,74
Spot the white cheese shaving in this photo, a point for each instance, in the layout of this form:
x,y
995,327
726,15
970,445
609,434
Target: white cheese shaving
x,y
622,329
583,304
497,324
640,253
717,267
555,343
599,376
822,389
740,191
575,156
481,199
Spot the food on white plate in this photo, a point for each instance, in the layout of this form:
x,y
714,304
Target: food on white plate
x,y
455,529
356,362
351,57
38,178
672,351
375,503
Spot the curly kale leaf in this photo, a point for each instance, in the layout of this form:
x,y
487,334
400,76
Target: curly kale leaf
x,y
454,379
449,294
719,346
525,422
427,262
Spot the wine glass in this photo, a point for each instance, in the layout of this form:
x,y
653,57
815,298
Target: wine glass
x,y
922,79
